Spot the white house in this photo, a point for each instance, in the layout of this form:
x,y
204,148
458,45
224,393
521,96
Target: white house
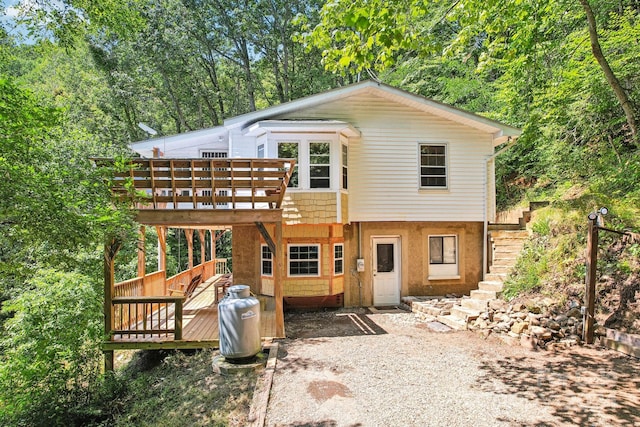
x,y
391,197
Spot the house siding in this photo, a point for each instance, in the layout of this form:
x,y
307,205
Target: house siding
x,y
384,169
415,258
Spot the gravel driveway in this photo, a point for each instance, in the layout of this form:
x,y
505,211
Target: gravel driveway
x,y
356,369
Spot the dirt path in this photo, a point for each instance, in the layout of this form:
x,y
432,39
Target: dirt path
x,y
356,369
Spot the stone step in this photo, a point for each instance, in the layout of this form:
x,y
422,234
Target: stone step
x,y
474,304
420,307
500,269
491,285
463,313
504,262
486,295
453,322
510,234
495,277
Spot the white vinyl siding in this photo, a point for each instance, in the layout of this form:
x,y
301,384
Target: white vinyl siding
x,y
383,163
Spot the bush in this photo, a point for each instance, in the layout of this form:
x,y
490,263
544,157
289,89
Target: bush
x,y
50,357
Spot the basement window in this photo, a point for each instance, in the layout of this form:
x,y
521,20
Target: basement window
x,y
443,257
266,261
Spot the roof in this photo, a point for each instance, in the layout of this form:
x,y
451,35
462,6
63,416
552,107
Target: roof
x,y
500,131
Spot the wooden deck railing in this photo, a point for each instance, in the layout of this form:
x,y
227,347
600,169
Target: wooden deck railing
x,y
140,302
148,316
203,183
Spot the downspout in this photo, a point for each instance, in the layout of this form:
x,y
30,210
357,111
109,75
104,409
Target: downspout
x,y
485,223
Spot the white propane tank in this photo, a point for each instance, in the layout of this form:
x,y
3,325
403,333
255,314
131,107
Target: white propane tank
x,y
239,323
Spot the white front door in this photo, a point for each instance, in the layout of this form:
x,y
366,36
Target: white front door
x,y
386,270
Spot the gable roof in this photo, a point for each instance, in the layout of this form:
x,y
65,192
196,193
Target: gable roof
x,y
500,131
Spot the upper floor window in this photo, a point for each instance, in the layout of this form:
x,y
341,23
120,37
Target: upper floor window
x,y
289,150
345,166
319,164
213,154
433,166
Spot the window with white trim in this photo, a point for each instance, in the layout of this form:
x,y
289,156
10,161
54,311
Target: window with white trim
x,y
213,154
289,150
266,261
338,259
443,256
319,164
304,260
345,166
433,166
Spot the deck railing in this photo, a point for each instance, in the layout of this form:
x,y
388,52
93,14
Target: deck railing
x,y
203,183
159,316
143,303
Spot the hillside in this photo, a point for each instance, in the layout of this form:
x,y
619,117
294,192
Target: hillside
x,y
552,264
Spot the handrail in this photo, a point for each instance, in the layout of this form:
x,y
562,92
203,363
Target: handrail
x,y
148,316
259,183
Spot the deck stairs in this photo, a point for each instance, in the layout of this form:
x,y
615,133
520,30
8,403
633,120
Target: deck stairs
x,y
506,244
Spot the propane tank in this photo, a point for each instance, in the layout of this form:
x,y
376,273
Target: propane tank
x,y
239,323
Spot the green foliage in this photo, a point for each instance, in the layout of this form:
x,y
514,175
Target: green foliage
x,y
50,358
530,268
175,389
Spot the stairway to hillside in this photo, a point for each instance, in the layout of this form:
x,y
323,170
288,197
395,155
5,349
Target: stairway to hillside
x,y
506,245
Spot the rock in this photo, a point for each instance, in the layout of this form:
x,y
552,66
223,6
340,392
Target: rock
x,y
553,325
520,315
600,331
561,319
534,308
519,327
541,332
497,304
574,313
517,307
527,341
533,319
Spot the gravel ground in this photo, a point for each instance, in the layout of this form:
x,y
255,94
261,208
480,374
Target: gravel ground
x,y
356,369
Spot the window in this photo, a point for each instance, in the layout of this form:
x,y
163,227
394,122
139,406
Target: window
x,y
338,259
260,151
433,166
345,156
289,150
219,193
319,164
304,260
443,256
266,261
213,154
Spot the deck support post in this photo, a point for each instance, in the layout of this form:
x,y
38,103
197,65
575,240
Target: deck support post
x,y
177,335
203,255
278,279
188,232
141,252
111,247
162,248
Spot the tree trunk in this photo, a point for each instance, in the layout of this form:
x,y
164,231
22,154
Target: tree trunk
x,y
613,81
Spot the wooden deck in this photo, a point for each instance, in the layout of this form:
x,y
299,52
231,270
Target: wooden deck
x,y
199,324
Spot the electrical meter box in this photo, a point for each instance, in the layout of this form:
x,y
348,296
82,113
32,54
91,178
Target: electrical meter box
x,y
360,265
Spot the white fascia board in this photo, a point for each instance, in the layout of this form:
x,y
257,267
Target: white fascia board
x,y
319,126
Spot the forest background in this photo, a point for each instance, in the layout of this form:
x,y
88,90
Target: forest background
x,y
77,76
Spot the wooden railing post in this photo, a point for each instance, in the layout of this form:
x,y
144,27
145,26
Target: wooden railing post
x,y
178,320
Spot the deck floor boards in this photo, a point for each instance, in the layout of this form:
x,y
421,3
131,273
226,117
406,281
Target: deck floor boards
x,y
200,319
